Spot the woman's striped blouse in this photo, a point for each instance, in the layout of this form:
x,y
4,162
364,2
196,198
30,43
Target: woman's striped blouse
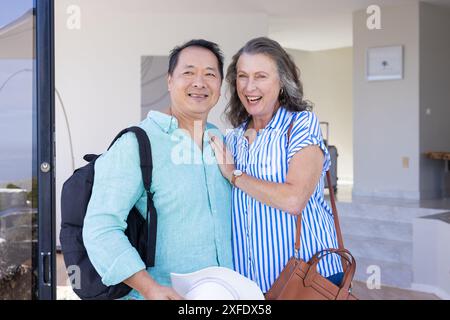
x,y
263,237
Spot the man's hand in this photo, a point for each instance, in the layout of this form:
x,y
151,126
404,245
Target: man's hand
x,y
149,288
158,292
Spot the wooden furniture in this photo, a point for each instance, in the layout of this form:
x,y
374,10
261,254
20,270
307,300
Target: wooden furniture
x,y
438,155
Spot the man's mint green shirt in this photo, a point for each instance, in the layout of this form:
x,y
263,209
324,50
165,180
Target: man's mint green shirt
x,y
192,200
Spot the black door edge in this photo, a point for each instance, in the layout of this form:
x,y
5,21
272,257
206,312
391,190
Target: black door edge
x,y
45,85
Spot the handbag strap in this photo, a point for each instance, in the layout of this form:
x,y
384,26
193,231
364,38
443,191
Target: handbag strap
x,y
335,212
333,206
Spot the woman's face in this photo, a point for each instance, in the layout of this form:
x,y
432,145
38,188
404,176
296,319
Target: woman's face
x,y
258,84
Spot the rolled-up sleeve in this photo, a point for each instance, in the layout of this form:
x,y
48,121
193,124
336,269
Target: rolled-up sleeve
x,y
305,132
117,187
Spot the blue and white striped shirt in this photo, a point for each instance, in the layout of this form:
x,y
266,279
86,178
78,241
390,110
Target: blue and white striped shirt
x,y
264,237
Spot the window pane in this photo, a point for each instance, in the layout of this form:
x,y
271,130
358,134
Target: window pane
x,y
18,183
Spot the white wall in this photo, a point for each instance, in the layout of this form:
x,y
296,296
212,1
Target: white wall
x,y
403,118
386,113
431,261
434,95
327,82
98,67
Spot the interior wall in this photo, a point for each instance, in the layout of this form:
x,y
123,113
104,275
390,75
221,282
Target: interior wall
x,y
386,113
434,97
98,67
327,82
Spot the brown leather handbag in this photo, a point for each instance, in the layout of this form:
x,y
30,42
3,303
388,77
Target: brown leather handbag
x,y
299,280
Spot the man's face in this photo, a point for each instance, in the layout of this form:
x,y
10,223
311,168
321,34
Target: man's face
x,y
195,83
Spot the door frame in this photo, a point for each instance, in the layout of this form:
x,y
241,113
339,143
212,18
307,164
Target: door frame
x,y
45,96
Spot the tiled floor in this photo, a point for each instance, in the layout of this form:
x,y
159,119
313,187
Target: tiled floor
x,y
361,291
61,274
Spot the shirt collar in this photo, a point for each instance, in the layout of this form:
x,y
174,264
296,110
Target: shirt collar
x,y
166,122
277,119
169,123
275,123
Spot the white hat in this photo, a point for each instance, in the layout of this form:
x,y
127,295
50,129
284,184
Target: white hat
x,y
215,283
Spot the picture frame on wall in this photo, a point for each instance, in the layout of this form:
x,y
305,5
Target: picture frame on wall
x,y
384,63
154,93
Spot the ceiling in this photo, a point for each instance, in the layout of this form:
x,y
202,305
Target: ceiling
x,y
299,24
322,25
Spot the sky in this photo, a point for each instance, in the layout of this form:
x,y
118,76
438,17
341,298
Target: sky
x,y
16,120
16,105
12,9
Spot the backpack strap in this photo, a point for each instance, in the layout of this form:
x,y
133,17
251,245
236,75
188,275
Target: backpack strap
x,y
146,163
145,153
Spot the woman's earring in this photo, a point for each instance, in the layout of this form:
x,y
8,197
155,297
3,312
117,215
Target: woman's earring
x,y
281,95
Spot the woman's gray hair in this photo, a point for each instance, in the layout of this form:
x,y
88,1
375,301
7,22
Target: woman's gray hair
x,y
291,93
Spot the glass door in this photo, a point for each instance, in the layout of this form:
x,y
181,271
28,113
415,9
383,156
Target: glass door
x,y
26,254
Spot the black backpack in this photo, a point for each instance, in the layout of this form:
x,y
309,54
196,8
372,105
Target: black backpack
x,y
75,196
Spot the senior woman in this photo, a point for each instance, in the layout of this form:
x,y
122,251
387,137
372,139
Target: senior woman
x,y
274,178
